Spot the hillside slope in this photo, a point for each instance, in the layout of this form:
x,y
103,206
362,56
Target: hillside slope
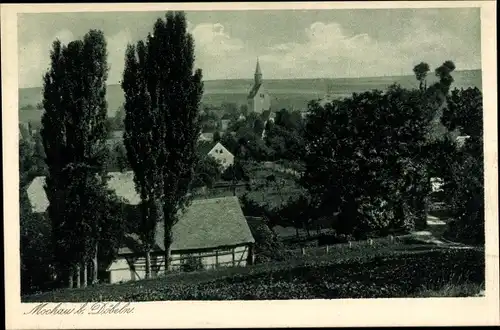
x,y
288,93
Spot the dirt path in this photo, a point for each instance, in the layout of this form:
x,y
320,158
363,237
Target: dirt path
x,y
434,235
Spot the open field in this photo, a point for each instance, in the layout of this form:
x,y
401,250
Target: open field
x,y
290,93
396,270
270,194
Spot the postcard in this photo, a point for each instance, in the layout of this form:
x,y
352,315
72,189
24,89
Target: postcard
x,y
207,165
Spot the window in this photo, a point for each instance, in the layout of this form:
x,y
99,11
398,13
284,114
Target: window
x,y
262,95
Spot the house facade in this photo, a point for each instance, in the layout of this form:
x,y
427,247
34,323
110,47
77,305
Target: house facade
x,y
220,153
258,98
206,137
224,124
211,233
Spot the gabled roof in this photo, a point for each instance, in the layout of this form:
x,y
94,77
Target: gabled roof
x,y
122,183
206,137
219,146
206,223
254,91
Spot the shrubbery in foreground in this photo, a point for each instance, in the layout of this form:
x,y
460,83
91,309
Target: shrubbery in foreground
x,y
397,274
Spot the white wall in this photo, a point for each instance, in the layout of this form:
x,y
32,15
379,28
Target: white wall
x,y
222,155
260,104
120,271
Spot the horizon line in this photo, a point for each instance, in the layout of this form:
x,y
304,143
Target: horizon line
x,y
308,78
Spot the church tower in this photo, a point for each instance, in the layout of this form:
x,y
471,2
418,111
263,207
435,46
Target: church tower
x,y
258,99
258,74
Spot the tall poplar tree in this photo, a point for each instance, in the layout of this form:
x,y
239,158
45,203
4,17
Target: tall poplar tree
x,y
162,98
140,138
74,136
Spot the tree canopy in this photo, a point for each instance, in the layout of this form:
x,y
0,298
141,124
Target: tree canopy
x,y
162,100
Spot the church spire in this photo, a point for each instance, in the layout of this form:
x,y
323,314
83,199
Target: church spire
x,y
258,73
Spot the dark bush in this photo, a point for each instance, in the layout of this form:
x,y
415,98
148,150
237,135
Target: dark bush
x,y
378,274
192,264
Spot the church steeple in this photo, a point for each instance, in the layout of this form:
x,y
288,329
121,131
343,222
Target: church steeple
x,y
258,74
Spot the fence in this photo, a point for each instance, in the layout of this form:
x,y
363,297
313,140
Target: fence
x,y
353,245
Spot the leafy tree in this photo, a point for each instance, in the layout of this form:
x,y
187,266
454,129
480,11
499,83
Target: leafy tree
x,y
118,157
258,127
110,227
171,114
230,142
421,71
438,91
464,182
27,169
235,172
73,136
363,159
31,158
285,136
217,136
207,171
465,193
244,110
464,111
119,119
39,156
230,109
35,235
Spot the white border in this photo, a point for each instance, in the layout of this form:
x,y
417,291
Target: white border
x,y
347,312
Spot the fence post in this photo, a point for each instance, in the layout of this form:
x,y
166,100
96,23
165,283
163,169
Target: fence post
x,y
303,250
350,244
327,249
370,241
391,238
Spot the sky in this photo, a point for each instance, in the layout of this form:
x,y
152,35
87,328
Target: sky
x,y
289,43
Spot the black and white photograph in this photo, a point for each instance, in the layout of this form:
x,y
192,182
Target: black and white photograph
x,y
250,155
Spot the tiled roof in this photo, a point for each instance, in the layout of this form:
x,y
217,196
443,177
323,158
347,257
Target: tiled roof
x,y
206,223
254,91
120,182
206,136
211,223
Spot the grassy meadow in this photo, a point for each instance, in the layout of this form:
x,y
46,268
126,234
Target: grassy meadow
x,y
387,271
289,93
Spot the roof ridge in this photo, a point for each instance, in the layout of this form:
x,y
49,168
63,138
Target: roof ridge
x,y
205,200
